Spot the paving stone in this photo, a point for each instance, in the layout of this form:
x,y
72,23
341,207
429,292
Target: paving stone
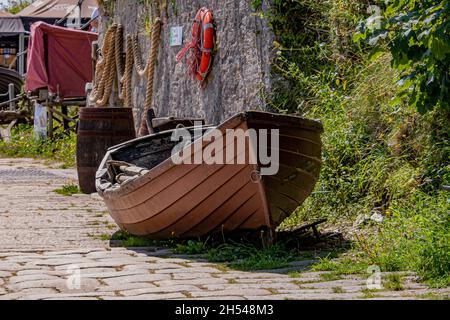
x,y
62,262
10,296
61,285
115,287
135,279
185,270
199,282
163,296
169,289
305,296
259,281
403,293
333,284
125,260
92,265
28,278
109,274
139,266
73,298
161,265
191,276
231,292
269,286
69,296
256,275
178,260
35,291
10,267
222,298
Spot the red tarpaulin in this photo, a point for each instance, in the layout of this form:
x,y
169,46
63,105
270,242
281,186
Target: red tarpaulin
x,y
59,59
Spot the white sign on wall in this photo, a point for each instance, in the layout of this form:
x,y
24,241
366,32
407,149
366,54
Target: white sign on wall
x,y
176,36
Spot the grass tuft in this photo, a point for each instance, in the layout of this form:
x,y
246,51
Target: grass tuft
x,y
68,190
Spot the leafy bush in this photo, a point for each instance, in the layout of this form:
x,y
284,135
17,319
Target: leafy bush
x,y
417,35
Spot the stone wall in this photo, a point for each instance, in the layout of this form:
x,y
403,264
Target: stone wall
x,y
240,73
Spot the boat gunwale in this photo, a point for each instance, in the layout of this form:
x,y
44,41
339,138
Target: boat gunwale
x,y
233,122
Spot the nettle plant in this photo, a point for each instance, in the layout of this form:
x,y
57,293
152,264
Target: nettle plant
x,y
417,33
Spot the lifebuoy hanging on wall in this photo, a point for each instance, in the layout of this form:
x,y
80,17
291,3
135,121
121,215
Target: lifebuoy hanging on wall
x,y
202,45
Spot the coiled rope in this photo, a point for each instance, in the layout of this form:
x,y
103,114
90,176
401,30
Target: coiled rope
x,y
112,67
105,72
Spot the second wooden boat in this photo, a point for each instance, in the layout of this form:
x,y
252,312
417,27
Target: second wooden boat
x,y
149,194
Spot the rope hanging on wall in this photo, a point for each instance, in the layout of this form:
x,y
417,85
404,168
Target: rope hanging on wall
x,y
106,71
156,31
112,65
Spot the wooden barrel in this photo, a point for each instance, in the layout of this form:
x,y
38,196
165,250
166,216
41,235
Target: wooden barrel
x,y
99,129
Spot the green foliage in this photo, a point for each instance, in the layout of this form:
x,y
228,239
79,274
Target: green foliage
x,y
129,241
393,282
256,4
24,144
361,170
417,33
15,6
378,151
342,266
316,56
191,247
68,190
248,257
415,237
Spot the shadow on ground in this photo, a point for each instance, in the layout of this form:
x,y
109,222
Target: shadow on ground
x,y
293,251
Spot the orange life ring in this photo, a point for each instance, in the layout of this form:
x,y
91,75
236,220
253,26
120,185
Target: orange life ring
x,y
202,45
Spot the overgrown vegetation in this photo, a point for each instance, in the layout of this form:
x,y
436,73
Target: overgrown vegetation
x,y
24,144
382,153
415,237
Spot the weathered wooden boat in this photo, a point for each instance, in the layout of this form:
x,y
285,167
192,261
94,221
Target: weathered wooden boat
x,y
149,195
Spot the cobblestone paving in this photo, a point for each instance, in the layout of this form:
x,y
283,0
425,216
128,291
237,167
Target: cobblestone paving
x,y
50,248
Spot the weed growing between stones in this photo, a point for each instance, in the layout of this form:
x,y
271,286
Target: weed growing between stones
x,y
68,190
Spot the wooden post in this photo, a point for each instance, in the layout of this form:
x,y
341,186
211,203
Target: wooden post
x,y
65,111
21,61
50,120
12,95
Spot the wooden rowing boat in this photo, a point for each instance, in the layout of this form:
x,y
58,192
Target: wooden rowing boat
x,y
149,195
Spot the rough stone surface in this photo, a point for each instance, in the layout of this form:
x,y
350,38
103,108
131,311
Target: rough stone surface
x,y
241,67
50,249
